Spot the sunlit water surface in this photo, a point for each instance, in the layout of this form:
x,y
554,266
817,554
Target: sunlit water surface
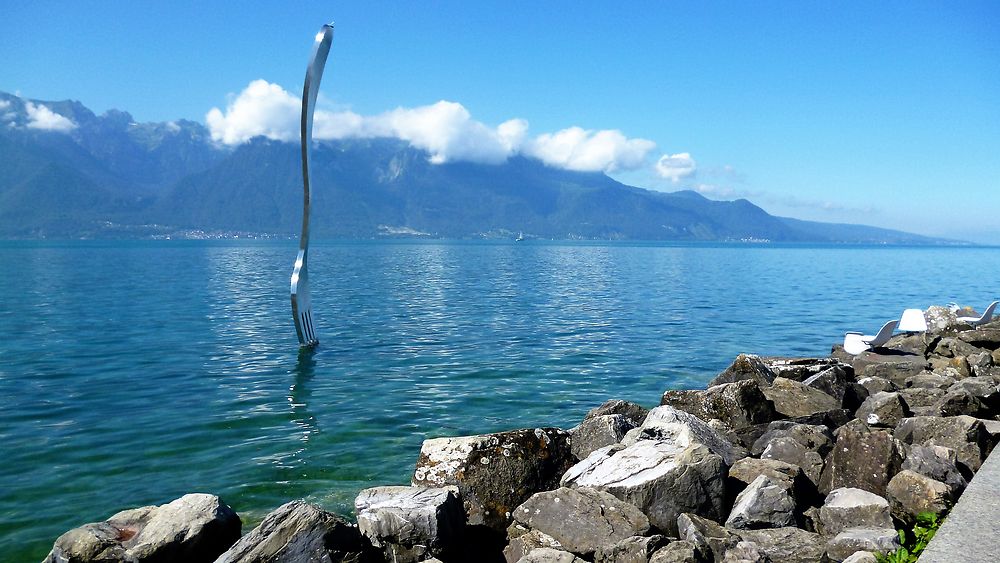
x,y
134,372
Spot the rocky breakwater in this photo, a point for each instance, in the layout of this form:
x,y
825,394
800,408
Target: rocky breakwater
x,y
778,459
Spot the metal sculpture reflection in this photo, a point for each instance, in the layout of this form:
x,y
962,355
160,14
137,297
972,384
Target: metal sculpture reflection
x,y
301,304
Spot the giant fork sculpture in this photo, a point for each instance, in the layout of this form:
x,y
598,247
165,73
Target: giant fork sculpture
x,y
301,303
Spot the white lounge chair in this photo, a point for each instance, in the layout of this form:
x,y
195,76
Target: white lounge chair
x,y
855,342
912,321
985,318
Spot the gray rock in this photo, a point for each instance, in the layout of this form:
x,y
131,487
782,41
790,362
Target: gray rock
x,y
813,437
862,458
930,380
949,347
739,405
957,401
985,337
789,450
853,508
746,552
549,555
765,503
598,431
792,398
583,519
909,343
896,367
635,413
524,541
954,367
983,388
981,364
883,409
876,384
937,462
745,366
832,381
297,531
677,464
801,369
787,545
409,522
853,540
911,493
636,549
920,397
940,319
710,539
861,557
964,434
677,552
495,472
195,527
747,469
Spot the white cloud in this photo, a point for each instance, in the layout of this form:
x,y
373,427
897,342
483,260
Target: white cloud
x,y
446,130
675,166
41,117
714,190
4,104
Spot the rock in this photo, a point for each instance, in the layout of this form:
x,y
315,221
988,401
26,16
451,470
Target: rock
x,y
677,552
525,542
814,437
929,380
195,527
853,508
853,540
883,409
709,538
636,549
745,366
831,419
676,464
909,343
788,450
801,369
957,401
981,364
985,337
876,384
633,412
739,405
787,545
983,388
495,472
911,493
408,523
598,431
936,462
861,557
297,531
949,347
549,555
964,434
746,552
920,397
582,519
940,319
765,503
832,381
792,398
862,458
894,367
747,469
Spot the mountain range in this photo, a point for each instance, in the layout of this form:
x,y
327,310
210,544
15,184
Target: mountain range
x,y
70,173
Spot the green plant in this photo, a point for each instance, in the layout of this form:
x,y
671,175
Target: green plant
x,y
913,541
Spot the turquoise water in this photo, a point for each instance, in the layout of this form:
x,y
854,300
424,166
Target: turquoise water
x,y
134,372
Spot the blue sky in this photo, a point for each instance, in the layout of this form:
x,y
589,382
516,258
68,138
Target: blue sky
x,y
882,113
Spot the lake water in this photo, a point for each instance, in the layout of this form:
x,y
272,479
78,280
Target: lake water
x,y
134,372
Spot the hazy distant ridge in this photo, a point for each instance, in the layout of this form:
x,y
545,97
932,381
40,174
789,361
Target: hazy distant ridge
x,y
107,176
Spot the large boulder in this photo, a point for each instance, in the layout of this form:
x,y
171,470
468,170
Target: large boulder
x,y
929,379
894,367
803,445
549,555
765,503
582,520
792,399
853,508
833,381
635,413
911,493
862,458
883,409
745,366
297,531
964,434
495,472
937,462
598,431
941,319
678,552
986,337
636,549
950,347
801,369
408,523
522,541
853,540
196,527
675,463
711,540
740,404
787,545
